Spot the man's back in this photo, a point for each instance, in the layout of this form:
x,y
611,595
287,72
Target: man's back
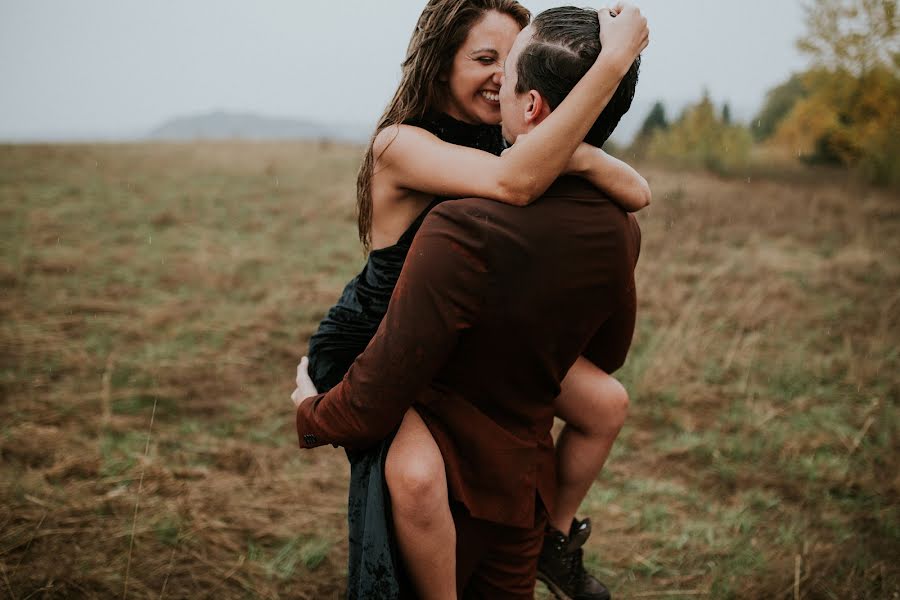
x,y
559,283
493,306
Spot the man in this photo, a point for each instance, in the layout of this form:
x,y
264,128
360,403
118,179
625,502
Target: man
x,y
493,306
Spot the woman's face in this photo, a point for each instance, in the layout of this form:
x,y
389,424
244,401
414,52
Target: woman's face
x,y
475,76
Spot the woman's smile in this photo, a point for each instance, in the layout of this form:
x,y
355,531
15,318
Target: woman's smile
x,y
492,97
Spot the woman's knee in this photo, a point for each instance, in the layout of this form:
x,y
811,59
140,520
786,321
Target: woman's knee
x,y
617,404
412,476
415,475
605,408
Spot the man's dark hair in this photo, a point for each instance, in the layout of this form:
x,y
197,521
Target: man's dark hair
x,y
565,45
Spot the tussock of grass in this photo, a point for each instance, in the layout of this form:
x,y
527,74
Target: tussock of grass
x,y
763,379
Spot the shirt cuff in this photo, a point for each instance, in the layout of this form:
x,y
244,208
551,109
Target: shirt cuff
x,y
307,433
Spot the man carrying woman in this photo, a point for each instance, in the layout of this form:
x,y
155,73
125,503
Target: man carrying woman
x,y
450,98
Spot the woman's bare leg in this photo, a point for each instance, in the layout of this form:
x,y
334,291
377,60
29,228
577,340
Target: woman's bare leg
x,y
417,483
594,406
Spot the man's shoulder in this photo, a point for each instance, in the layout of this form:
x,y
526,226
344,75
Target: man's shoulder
x,y
483,228
468,214
467,207
570,204
570,186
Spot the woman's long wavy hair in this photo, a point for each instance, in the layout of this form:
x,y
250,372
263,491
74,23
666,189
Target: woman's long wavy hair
x,y
441,30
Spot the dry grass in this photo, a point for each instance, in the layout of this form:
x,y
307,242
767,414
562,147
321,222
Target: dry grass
x,y
181,282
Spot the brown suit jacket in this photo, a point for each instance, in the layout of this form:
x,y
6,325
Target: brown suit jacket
x,y
493,306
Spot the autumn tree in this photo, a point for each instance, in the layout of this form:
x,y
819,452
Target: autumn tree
x,y
854,36
780,101
846,109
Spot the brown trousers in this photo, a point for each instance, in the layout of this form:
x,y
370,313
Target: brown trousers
x,y
496,561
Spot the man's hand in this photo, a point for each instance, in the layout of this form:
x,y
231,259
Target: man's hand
x,y
305,386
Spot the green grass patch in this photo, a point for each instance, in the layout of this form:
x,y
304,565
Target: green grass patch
x,y
119,452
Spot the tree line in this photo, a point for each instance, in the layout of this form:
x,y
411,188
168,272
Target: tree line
x,y
844,110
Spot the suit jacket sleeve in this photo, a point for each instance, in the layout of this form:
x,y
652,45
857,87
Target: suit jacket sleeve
x,y
610,344
438,295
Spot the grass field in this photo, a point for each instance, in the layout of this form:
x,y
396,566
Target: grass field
x,y
156,299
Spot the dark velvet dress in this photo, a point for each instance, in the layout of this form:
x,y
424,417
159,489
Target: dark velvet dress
x,y
375,567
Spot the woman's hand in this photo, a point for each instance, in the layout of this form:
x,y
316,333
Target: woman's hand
x,y
519,138
626,34
305,386
616,179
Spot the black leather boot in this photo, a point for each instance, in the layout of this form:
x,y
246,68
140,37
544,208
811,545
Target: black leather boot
x,y
561,567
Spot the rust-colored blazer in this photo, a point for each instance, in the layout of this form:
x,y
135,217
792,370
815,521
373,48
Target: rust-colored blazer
x,y
493,306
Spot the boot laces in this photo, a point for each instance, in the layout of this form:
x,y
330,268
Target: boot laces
x,y
575,572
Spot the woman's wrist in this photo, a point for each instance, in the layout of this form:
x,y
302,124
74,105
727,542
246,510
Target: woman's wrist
x,y
615,60
579,164
622,37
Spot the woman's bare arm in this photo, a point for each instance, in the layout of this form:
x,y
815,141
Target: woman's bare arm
x,y
625,186
410,158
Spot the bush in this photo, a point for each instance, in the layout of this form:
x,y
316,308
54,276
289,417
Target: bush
x,y
702,138
847,120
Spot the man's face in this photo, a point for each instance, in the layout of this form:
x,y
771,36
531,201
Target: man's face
x,y
514,106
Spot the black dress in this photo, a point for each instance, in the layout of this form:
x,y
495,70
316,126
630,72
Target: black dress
x,y
375,568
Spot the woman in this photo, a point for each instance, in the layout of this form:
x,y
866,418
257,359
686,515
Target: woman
x,y
439,137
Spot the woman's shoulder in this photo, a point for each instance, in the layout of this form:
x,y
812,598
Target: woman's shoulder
x,y
400,137
415,134
482,136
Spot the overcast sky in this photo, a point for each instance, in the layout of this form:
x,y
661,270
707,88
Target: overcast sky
x,y
115,68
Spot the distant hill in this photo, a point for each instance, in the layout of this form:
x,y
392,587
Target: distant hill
x,y
227,125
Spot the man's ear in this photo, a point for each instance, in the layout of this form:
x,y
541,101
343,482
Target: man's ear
x,y
537,108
